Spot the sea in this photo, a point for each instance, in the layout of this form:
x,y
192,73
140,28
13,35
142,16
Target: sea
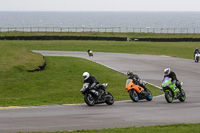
x,y
186,21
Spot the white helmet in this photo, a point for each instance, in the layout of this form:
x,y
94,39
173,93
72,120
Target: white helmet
x,y
167,71
86,75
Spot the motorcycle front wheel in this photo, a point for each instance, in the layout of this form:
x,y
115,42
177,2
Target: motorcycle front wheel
x,y
182,99
89,99
109,99
169,96
134,95
150,97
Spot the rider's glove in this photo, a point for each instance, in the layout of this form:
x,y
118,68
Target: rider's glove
x,y
174,81
93,85
82,90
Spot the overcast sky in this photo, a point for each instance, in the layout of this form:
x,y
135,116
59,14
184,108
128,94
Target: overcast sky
x,y
99,5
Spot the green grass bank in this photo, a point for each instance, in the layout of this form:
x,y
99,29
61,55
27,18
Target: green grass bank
x,y
176,128
104,34
175,49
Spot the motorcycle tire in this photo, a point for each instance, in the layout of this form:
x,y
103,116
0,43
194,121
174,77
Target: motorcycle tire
x,y
134,95
169,96
150,97
89,99
182,99
109,100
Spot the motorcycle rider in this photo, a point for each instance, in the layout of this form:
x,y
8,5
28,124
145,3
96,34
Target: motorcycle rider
x,y
196,51
172,75
136,80
93,83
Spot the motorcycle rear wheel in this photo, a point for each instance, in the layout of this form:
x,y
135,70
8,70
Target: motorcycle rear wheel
x,y
169,96
110,100
134,95
182,99
89,99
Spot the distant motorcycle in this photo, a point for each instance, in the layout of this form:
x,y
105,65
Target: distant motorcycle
x,y
91,96
196,57
136,92
171,91
90,52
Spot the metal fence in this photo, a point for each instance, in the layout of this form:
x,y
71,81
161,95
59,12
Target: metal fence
x,y
102,29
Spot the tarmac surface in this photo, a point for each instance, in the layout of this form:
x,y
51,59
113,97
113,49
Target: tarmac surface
x,y
121,113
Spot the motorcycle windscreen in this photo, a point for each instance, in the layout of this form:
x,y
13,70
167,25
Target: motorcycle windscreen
x,y
166,79
166,82
128,84
128,81
85,86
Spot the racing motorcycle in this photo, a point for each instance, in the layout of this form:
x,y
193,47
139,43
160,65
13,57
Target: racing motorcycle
x,y
94,96
171,91
90,52
137,92
196,57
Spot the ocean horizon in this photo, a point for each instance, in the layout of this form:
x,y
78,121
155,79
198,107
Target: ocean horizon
x,y
101,19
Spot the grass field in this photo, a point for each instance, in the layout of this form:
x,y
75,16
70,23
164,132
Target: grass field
x,y
103,34
176,128
176,49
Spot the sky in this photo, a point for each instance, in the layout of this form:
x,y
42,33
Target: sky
x,y
99,5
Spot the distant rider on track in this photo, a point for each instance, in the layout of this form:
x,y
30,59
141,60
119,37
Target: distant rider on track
x,y
196,51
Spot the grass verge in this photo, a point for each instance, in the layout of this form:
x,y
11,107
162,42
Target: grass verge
x,y
176,49
19,58
176,128
104,34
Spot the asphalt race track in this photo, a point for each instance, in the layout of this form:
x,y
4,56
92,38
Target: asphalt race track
x,y
121,113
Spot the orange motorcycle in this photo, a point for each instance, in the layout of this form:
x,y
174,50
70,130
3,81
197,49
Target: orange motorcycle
x,y
137,92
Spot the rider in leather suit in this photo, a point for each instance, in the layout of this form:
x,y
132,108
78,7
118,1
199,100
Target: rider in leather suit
x,y
93,83
136,80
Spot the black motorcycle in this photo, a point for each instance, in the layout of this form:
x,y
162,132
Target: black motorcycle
x,y
96,96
